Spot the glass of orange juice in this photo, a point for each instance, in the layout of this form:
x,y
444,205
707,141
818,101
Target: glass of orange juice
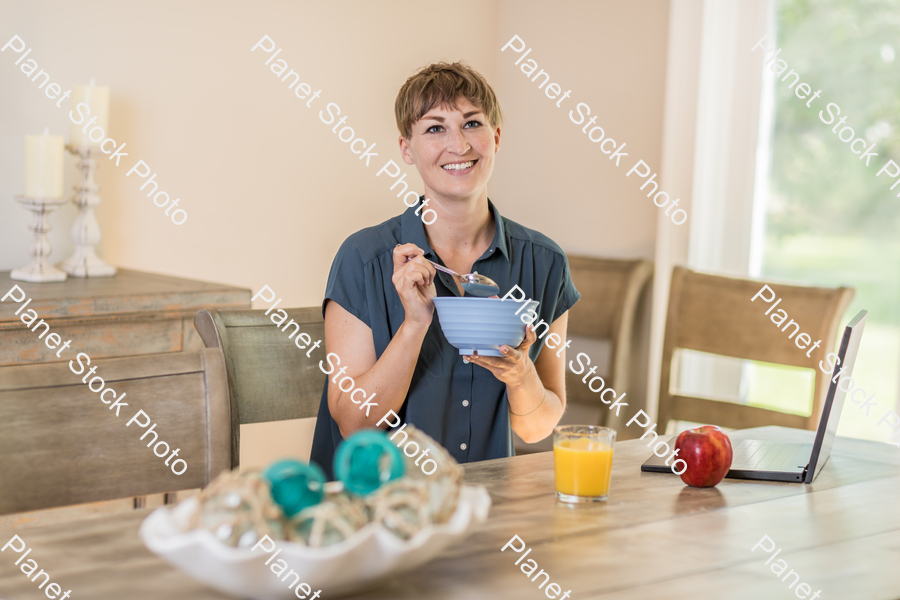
x,y
582,457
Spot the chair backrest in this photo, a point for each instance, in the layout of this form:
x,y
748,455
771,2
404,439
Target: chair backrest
x,y
610,291
714,314
60,445
270,377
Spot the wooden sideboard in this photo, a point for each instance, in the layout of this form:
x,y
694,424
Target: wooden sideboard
x,y
130,314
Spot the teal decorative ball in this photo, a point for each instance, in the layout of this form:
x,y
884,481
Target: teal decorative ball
x,y
367,460
295,485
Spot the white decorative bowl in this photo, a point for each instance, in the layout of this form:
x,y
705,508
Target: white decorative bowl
x,y
482,324
361,560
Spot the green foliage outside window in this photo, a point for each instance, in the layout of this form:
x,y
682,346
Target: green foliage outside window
x,y
829,220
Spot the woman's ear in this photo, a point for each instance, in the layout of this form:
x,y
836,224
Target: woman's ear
x,y
496,140
405,151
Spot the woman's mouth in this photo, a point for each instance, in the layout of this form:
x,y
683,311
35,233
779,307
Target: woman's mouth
x,y
459,168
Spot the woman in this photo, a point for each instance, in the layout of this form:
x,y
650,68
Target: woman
x,y
379,314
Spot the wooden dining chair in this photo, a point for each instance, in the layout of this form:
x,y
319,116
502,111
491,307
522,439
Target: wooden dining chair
x,y
270,378
714,314
610,291
60,445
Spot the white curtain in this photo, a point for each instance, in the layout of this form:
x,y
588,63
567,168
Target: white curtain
x,y
710,155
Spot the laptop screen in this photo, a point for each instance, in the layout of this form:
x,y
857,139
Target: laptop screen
x,y
834,402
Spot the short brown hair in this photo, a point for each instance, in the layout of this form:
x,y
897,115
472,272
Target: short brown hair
x,y
442,84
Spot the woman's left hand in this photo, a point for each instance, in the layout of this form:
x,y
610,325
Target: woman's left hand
x,y
515,367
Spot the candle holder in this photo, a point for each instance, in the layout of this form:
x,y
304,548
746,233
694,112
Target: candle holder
x,y
39,270
84,262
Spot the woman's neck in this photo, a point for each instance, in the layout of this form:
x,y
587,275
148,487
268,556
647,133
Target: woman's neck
x,y
463,227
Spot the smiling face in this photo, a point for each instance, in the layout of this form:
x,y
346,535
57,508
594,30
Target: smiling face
x,y
453,149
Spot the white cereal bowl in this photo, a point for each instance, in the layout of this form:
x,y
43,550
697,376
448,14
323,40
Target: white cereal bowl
x,y
361,560
482,324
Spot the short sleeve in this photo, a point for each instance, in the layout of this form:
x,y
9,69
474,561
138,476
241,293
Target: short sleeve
x,y
568,295
347,281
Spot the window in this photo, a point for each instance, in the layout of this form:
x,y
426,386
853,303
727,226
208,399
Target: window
x,y
826,219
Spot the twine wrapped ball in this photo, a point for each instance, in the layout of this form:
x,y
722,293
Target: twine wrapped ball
x,y
402,507
443,486
337,518
238,509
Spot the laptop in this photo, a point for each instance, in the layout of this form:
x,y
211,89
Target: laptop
x,y
784,461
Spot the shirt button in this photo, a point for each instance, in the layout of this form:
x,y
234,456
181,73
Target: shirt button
x,y
465,402
462,446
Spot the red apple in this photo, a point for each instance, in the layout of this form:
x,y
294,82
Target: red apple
x,y
707,452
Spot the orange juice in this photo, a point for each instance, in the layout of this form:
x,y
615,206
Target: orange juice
x,y
582,467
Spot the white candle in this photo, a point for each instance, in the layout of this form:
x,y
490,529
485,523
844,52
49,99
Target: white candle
x,y
97,99
44,165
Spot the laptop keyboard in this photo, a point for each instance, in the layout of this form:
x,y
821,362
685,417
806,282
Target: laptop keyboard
x,y
753,454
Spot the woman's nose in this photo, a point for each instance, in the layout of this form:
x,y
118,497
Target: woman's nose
x,y
458,142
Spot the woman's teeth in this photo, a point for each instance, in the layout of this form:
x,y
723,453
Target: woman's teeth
x,y
459,166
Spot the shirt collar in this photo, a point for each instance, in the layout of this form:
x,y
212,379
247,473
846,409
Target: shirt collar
x,y
412,230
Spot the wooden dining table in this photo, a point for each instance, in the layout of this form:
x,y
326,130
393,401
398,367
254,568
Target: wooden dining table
x,y
654,538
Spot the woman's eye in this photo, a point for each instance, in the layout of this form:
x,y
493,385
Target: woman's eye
x,y
439,128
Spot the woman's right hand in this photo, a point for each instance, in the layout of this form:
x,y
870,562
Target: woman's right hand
x,y
414,280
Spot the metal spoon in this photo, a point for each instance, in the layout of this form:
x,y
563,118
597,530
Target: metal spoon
x,y
475,284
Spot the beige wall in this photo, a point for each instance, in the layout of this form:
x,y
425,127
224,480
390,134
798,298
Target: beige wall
x,y
549,175
269,190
